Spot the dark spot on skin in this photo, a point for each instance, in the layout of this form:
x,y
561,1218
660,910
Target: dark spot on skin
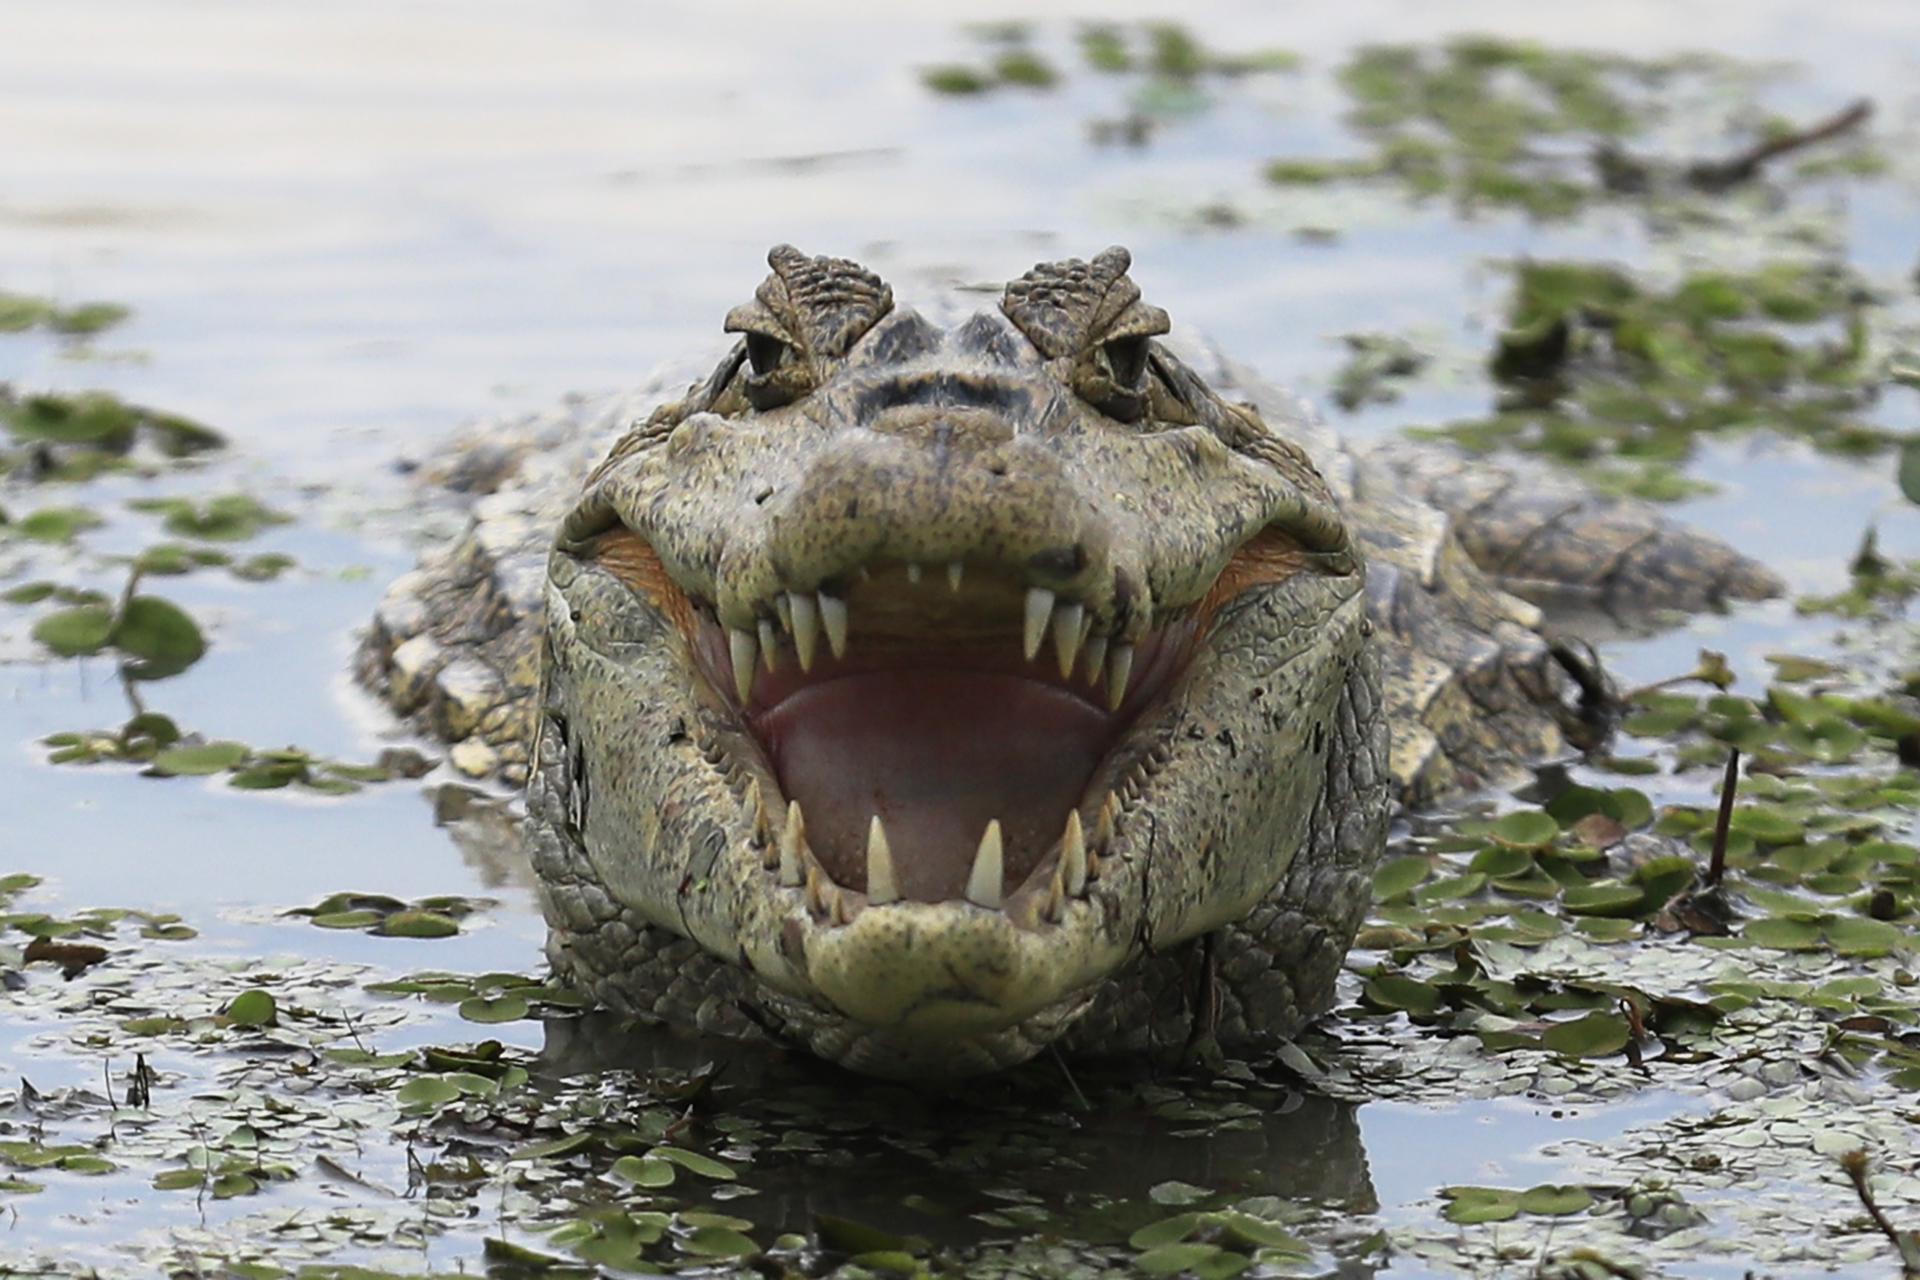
x,y
574,614
853,508
677,734
760,498
1059,562
1319,738
996,468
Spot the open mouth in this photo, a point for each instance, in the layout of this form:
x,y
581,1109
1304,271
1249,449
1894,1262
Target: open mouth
x,y
937,734
929,734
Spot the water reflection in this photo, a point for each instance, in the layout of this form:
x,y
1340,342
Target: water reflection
x,y
1087,1150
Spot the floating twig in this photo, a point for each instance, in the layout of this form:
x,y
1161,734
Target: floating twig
x,y
1856,1164
1723,824
1622,171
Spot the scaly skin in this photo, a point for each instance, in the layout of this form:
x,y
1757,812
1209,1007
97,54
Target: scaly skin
x,y
1056,446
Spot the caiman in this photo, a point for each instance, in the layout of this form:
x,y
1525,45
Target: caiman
x,y
929,694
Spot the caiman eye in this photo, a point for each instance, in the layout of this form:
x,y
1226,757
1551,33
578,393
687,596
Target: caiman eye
x,y
1126,360
766,353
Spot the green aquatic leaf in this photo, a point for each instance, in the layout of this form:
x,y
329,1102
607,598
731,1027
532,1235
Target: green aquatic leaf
x,y
1525,829
160,633
418,924
1470,1206
1555,1201
1597,1035
74,632
255,1008
200,759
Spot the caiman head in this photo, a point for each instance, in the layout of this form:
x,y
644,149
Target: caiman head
x,y
931,676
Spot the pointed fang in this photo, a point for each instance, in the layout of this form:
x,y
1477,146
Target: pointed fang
x,y
793,838
1073,855
985,885
1039,614
769,644
955,571
1119,671
833,616
806,627
746,652
1069,626
881,887
1096,653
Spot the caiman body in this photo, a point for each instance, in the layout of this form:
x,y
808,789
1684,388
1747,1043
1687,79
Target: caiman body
x,y
931,694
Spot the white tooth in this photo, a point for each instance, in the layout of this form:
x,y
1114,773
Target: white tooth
x,y
833,616
1039,614
769,644
746,652
838,909
817,896
793,839
1103,824
1056,896
761,828
985,885
806,626
955,571
881,888
1069,625
1119,669
1096,652
785,610
913,571
1073,854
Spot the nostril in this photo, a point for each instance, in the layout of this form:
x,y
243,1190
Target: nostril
x,y
997,468
760,498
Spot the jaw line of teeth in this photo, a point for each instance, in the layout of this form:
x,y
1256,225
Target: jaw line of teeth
x,y
805,615
1074,864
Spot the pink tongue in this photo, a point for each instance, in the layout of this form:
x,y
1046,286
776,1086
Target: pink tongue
x,y
937,754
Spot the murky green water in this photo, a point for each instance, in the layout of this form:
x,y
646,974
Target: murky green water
x,y
345,230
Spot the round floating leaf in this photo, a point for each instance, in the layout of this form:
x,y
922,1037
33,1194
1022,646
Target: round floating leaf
x,y
1398,877
1172,1259
255,1008
554,1148
91,1165
178,1179
694,1162
1604,898
56,524
161,633
1555,1201
1782,933
1855,936
347,919
1166,1231
229,1185
718,1242
508,1008
427,1091
72,632
1472,1205
1598,1035
198,761
418,924
1397,991
1526,829
644,1171
1178,1193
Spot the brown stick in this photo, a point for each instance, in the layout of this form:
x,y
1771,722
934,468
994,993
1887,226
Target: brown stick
x,y
1855,1163
1717,175
1729,784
